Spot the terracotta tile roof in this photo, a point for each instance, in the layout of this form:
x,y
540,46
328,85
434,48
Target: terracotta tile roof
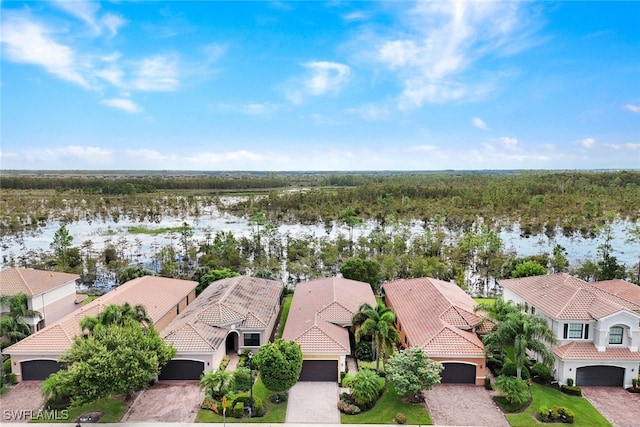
x,y
620,288
236,302
562,296
588,351
31,282
321,309
159,295
437,316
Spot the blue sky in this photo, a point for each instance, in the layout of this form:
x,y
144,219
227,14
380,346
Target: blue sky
x,y
314,85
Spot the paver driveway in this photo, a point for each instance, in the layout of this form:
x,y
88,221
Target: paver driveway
x,y
463,405
170,401
24,397
617,405
313,402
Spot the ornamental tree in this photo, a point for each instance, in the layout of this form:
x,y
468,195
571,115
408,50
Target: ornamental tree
x,y
411,371
280,364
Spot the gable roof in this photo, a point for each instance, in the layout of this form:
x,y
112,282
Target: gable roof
x,y
587,351
436,315
319,311
236,302
562,296
159,295
629,292
14,281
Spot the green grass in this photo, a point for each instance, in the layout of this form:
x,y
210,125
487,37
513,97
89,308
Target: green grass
x,y
112,409
487,301
370,365
286,306
4,390
140,229
90,298
585,414
386,409
275,413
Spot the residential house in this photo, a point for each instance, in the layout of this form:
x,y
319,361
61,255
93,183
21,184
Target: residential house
x,y
50,293
597,325
319,320
232,315
36,357
439,317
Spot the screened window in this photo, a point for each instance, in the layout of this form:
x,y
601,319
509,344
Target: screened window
x,y
252,340
575,330
615,335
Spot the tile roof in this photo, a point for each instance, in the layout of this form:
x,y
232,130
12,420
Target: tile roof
x,y
237,302
321,309
621,288
32,282
159,295
437,316
587,351
562,296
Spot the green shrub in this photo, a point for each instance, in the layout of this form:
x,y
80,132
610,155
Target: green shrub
x,y
543,413
13,379
245,399
487,383
570,382
238,410
400,418
348,408
240,380
224,362
6,366
634,382
364,351
514,390
509,369
569,415
571,390
541,371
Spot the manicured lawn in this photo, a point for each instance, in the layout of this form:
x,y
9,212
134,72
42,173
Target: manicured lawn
x,y
488,301
275,413
112,409
386,409
90,298
286,306
370,365
585,414
4,390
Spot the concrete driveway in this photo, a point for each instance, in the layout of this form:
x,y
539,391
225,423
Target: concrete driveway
x,y
313,402
463,405
617,405
21,402
167,401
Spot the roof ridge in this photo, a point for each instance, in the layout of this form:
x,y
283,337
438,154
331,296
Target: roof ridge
x,y
234,282
24,280
193,328
328,335
575,293
255,317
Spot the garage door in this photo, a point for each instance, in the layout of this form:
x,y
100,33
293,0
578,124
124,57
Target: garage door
x,y
38,370
458,373
607,376
319,370
182,370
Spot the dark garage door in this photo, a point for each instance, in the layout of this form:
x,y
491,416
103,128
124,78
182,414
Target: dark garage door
x,y
182,370
607,376
38,370
458,373
319,370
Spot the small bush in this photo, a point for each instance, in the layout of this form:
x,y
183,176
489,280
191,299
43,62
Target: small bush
x,y
571,390
569,415
364,351
570,382
240,380
634,382
258,404
6,366
348,408
13,379
400,418
487,383
238,410
542,372
543,413
509,369
224,362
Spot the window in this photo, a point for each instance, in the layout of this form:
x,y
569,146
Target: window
x,y
615,335
574,331
252,340
533,310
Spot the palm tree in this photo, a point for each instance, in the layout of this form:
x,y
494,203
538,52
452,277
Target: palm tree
x,y
378,324
14,325
216,382
525,332
115,315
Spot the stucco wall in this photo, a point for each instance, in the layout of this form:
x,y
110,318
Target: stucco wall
x,y
567,369
481,369
16,360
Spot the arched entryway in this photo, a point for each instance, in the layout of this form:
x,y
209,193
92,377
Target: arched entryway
x,y
231,343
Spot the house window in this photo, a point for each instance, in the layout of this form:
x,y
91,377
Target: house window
x,y
252,340
615,335
574,331
533,310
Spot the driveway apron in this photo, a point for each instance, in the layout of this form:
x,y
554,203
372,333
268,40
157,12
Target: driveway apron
x,y
617,405
168,401
313,402
463,405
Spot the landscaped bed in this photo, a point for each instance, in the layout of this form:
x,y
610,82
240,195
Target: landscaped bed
x,y
585,414
111,408
386,409
275,413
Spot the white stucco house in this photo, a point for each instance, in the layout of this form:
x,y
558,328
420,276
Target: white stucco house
x,y
597,325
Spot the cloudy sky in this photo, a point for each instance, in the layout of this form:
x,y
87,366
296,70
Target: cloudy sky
x,y
320,85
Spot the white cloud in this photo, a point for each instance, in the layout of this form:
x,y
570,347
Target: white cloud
x,y
214,51
479,123
423,148
587,142
157,73
260,109
372,112
113,22
442,41
325,77
123,104
508,142
81,9
356,16
633,108
29,42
